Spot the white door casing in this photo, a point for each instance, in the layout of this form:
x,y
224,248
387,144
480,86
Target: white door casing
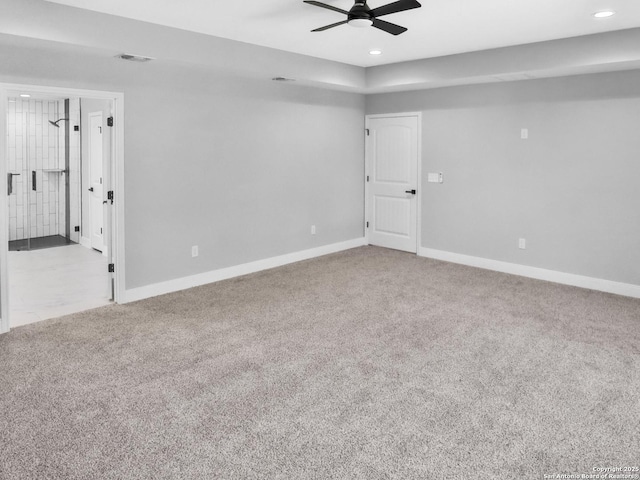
x,y
96,216
392,168
4,224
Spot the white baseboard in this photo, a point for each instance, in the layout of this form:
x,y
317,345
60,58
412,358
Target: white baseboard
x,y
85,242
626,289
236,271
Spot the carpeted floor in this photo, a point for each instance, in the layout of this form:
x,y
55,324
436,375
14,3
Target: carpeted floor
x,y
366,364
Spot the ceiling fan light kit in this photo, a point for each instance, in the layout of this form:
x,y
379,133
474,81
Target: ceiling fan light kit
x,y
361,15
360,22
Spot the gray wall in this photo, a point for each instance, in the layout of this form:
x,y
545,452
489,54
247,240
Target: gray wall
x,y
219,156
241,167
571,189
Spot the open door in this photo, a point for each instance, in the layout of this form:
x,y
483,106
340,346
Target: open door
x,y
110,233
96,189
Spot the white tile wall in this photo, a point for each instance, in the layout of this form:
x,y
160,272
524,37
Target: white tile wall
x,y
34,144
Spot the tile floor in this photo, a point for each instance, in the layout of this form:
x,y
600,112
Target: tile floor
x,y
55,281
39,243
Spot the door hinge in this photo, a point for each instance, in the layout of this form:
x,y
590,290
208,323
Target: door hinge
x,y
367,178
367,130
367,224
112,268
110,122
110,196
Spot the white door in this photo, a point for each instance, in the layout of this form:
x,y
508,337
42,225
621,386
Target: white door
x,y
95,181
392,187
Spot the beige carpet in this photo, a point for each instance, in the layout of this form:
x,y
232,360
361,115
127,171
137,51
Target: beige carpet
x,y
367,364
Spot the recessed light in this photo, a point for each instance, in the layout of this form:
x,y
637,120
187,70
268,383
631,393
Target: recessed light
x,y
604,14
25,95
375,52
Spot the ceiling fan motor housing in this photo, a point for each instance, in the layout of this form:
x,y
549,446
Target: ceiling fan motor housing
x,y
360,11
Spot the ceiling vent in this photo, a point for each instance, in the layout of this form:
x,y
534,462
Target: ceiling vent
x,y
134,58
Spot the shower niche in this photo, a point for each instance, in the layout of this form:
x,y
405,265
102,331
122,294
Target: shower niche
x,y
43,172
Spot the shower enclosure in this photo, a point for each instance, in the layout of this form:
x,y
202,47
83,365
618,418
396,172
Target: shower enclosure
x,y
39,174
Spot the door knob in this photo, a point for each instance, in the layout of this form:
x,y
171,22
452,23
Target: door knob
x,y
91,189
412,192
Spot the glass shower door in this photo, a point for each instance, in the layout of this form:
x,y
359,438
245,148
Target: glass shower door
x,y
37,180
18,181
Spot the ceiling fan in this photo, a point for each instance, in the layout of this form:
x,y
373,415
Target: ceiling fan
x,y
361,15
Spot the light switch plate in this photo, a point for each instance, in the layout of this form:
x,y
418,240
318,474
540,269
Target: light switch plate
x,y
433,177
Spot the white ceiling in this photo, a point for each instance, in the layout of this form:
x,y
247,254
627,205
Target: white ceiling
x,y
440,27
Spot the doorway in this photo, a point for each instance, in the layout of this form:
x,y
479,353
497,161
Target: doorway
x,y
392,190
49,216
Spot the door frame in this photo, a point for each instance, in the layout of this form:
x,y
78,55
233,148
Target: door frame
x,y
367,169
115,221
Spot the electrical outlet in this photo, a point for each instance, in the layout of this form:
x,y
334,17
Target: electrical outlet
x,y
194,251
524,133
522,243
436,177
313,229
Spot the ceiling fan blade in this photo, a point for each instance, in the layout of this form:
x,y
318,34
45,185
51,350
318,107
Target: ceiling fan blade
x,y
327,27
324,5
391,28
395,7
